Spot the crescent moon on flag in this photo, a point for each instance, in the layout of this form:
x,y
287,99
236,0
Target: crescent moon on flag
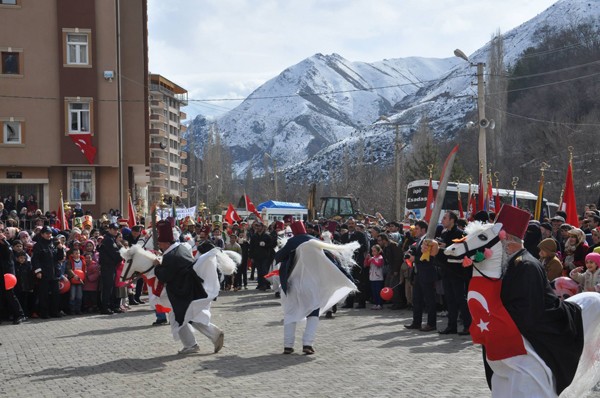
x,y
479,297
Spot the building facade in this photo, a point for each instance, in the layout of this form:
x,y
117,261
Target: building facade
x,y
74,107
167,167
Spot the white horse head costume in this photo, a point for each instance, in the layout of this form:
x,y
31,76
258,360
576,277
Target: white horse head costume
x,y
483,249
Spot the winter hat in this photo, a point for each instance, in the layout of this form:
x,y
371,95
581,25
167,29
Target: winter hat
x,y
514,220
595,257
482,216
546,226
548,245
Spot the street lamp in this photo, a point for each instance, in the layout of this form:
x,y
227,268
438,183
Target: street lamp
x,y
398,147
483,122
274,172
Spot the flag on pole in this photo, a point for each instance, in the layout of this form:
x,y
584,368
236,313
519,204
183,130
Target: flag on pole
x,y
231,216
490,196
461,213
514,198
131,220
568,203
251,208
480,195
430,201
61,217
538,204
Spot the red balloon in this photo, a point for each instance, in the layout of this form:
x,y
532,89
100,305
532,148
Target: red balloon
x,y
64,286
80,274
10,281
386,293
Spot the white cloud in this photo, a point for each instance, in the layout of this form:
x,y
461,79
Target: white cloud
x,y
227,48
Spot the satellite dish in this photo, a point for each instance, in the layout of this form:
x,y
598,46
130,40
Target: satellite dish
x,y
163,145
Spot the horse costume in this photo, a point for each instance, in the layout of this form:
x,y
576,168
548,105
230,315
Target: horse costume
x,y
516,365
138,260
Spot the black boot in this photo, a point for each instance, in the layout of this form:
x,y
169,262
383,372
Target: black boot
x,y
132,300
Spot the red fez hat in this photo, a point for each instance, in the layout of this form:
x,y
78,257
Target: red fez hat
x,y
279,225
332,226
165,231
206,229
171,221
298,228
514,220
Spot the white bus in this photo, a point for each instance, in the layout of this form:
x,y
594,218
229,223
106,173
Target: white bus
x,y
416,199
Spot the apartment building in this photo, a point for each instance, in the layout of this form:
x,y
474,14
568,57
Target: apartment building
x,y
74,110
167,168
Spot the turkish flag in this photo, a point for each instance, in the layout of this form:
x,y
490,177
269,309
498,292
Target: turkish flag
x,y
492,325
251,208
84,143
231,216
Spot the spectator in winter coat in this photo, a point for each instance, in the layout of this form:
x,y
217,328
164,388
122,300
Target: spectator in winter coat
x,y
552,265
90,288
575,250
25,282
46,261
588,277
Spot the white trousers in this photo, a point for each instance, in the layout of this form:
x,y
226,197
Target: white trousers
x,y
308,338
186,333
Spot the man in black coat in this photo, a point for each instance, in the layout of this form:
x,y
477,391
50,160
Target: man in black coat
x,y
183,287
109,260
455,277
553,327
360,273
261,248
46,260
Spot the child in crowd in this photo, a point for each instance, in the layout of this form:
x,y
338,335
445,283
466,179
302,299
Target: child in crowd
x,y
90,288
375,264
549,259
588,279
25,282
75,263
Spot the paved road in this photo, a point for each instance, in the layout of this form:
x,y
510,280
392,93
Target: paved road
x,y
360,353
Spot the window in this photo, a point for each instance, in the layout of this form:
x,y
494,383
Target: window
x,y
81,185
12,130
9,2
77,48
11,61
79,115
12,133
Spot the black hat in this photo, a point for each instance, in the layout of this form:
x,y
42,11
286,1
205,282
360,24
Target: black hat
x,y
546,225
114,225
46,230
482,216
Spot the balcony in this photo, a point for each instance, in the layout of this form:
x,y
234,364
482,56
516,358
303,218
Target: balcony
x,y
182,115
183,155
156,104
182,141
158,132
183,128
184,181
157,117
184,168
157,160
157,145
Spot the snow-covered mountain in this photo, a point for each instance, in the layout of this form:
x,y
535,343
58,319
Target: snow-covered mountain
x,y
307,115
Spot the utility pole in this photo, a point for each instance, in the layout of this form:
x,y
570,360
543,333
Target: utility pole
x,y
398,149
483,124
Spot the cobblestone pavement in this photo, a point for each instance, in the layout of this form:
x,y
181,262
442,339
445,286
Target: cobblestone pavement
x,y
359,353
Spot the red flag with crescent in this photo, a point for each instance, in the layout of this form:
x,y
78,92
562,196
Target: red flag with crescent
x,y
492,325
84,143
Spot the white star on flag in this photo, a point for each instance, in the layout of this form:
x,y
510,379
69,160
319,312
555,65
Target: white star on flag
x,y
483,325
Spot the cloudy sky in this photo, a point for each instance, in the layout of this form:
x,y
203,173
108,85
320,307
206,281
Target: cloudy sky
x,y
227,48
